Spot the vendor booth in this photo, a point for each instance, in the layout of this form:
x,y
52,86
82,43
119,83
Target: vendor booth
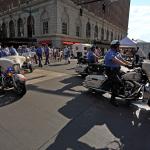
x,y
128,47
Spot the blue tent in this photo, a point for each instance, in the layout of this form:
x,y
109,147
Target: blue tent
x,y
126,42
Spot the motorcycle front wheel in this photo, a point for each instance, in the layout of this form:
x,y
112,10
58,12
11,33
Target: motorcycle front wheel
x,y
21,88
148,103
31,68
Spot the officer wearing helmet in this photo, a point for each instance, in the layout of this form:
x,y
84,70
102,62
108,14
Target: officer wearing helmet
x,y
113,62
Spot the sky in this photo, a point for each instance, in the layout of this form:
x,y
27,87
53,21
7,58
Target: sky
x,y
139,20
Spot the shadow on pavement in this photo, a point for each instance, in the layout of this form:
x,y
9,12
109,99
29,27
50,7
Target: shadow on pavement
x,y
71,68
8,97
117,128
70,83
54,65
37,77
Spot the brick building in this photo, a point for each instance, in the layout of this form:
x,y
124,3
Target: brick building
x,y
61,22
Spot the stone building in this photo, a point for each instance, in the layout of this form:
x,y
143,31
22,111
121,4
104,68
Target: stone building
x,y
64,22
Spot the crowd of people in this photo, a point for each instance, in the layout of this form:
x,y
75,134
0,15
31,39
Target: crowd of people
x,y
38,54
7,51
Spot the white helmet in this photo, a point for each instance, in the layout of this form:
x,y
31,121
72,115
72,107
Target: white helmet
x,y
115,42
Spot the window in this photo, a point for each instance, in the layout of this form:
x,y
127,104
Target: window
x,y
88,30
30,26
64,28
111,36
107,35
77,31
118,37
20,27
4,30
102,34
11,29
96,32
45,27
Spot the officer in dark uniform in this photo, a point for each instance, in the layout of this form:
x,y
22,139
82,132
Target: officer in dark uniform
x,y
113,62
39,53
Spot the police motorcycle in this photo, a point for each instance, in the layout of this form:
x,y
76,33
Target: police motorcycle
x,y
135,83
84,68
10,77
28,63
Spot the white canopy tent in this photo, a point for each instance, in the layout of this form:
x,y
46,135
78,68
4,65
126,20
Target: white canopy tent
x,y
127,43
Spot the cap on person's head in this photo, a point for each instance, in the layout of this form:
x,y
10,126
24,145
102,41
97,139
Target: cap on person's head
x,y
115,42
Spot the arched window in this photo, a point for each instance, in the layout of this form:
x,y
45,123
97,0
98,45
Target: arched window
x,y
107,37
45,22
11,29
102,34
30,26
121,37
88,30
20,28
118,37
4,30
64,28
111,36
96,32
78,30
78,27
65,22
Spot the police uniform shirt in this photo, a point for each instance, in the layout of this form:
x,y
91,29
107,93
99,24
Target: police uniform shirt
x,y
109,57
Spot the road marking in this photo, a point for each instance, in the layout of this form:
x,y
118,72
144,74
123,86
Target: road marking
x,y
42,75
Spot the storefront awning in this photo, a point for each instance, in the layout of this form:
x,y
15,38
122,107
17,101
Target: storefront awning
x,y
70,43
45,42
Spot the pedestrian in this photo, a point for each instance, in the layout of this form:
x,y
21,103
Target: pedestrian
x,y
39,53
13,51
136,55
55,54
97,53
69,54
33,50
61,54
46,51
7,52
66,54
1,52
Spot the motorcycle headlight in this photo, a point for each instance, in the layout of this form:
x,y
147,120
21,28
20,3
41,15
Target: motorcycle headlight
x,y
9,74
147,87
16,67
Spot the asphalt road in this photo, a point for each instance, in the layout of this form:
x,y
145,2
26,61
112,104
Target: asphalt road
x,y
57,113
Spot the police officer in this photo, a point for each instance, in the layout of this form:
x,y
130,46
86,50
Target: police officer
x,y
13,51
91,56
39,52
113,62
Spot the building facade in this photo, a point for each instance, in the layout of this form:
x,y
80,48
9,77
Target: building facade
x,y
64,22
